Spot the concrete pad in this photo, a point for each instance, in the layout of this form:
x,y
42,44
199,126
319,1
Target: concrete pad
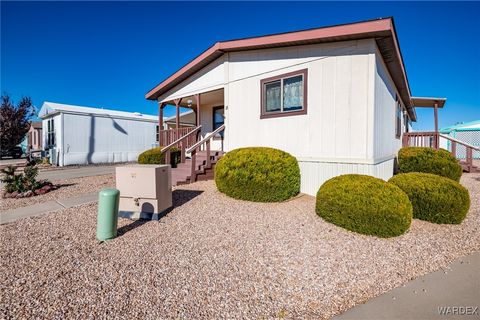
x,y
30,211
450,293
82,199
46,207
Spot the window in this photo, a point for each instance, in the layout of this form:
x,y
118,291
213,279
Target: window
x,y
157,135
284,95
50,133
218,118
398,119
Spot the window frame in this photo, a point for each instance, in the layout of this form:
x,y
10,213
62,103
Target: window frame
x,y
50,133
274,114
398,118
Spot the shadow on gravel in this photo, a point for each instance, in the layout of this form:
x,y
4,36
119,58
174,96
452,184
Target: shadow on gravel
x,y
180,196
62,185
129,227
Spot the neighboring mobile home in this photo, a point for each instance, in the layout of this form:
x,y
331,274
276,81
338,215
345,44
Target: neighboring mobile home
x,y
337,98
468,132
84,135
34,136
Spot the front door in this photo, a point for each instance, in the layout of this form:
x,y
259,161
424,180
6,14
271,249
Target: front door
x,y
217,121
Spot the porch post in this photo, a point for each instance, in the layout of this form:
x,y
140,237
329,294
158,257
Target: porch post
x,y
160,122
197,98
437,137
177,123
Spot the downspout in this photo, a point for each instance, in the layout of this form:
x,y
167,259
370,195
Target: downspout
x,y
63,140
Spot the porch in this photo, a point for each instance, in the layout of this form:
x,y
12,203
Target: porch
x,y
200,145
464,152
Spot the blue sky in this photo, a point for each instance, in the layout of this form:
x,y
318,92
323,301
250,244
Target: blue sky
x,y
109,54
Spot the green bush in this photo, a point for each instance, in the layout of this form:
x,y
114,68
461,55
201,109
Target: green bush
x,y
364,204
434,198
428,160
23,181
155,156
258,174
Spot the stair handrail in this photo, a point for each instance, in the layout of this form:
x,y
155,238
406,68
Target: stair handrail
x,y
193,152
468,154
182,147
459,142
207,137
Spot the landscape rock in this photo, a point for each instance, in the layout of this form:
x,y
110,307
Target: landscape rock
x,y
29,193
214,257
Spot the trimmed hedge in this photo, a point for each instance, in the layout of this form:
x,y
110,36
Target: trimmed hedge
x,y
428,160
364,204
258,174
434,198
151,156
154,156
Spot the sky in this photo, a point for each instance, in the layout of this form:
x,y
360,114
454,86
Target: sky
x,y
109,54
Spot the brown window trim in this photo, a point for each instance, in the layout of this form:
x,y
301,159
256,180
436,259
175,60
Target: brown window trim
x,y
398,119
267,115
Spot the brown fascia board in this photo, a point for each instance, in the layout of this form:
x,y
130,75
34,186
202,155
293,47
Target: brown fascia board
x,y
382,30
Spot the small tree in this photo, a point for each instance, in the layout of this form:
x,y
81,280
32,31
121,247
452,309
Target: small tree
x,y
14,121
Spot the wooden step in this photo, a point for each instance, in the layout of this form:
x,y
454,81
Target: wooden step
x,y
181,174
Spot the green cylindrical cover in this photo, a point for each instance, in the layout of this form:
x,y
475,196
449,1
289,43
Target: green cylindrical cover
x,y
107,217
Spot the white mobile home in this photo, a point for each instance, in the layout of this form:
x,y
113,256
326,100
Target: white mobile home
x,y
84,135
337,98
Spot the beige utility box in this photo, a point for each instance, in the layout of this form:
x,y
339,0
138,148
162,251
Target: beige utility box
x,y
145,190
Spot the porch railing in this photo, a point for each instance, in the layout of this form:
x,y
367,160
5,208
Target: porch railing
x,y
459,149
197,147
182,143
168,136
421,139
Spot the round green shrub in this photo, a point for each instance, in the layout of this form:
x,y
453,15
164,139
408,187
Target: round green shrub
x,y
155,156
428,160
258,174
364,204
434,198
151,156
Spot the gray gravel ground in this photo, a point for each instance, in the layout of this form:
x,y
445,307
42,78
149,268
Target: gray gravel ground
x,y
68,188
215,257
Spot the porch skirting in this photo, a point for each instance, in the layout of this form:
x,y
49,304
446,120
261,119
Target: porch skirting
x,y
314,174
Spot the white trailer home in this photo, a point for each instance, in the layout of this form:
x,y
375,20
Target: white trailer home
x,y
337,98
84,135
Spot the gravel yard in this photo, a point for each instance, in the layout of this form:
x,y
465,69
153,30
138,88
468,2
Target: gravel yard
x,y
68,188
215,257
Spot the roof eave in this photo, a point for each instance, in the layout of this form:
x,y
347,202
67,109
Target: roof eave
x,y
360,30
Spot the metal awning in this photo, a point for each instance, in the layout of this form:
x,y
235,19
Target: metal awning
x,y
427,102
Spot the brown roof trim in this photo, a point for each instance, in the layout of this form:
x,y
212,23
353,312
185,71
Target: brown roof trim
x,y
382,30
427,102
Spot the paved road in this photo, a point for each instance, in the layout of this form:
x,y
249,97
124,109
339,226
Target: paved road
x,y
6,161
451,293
75,172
